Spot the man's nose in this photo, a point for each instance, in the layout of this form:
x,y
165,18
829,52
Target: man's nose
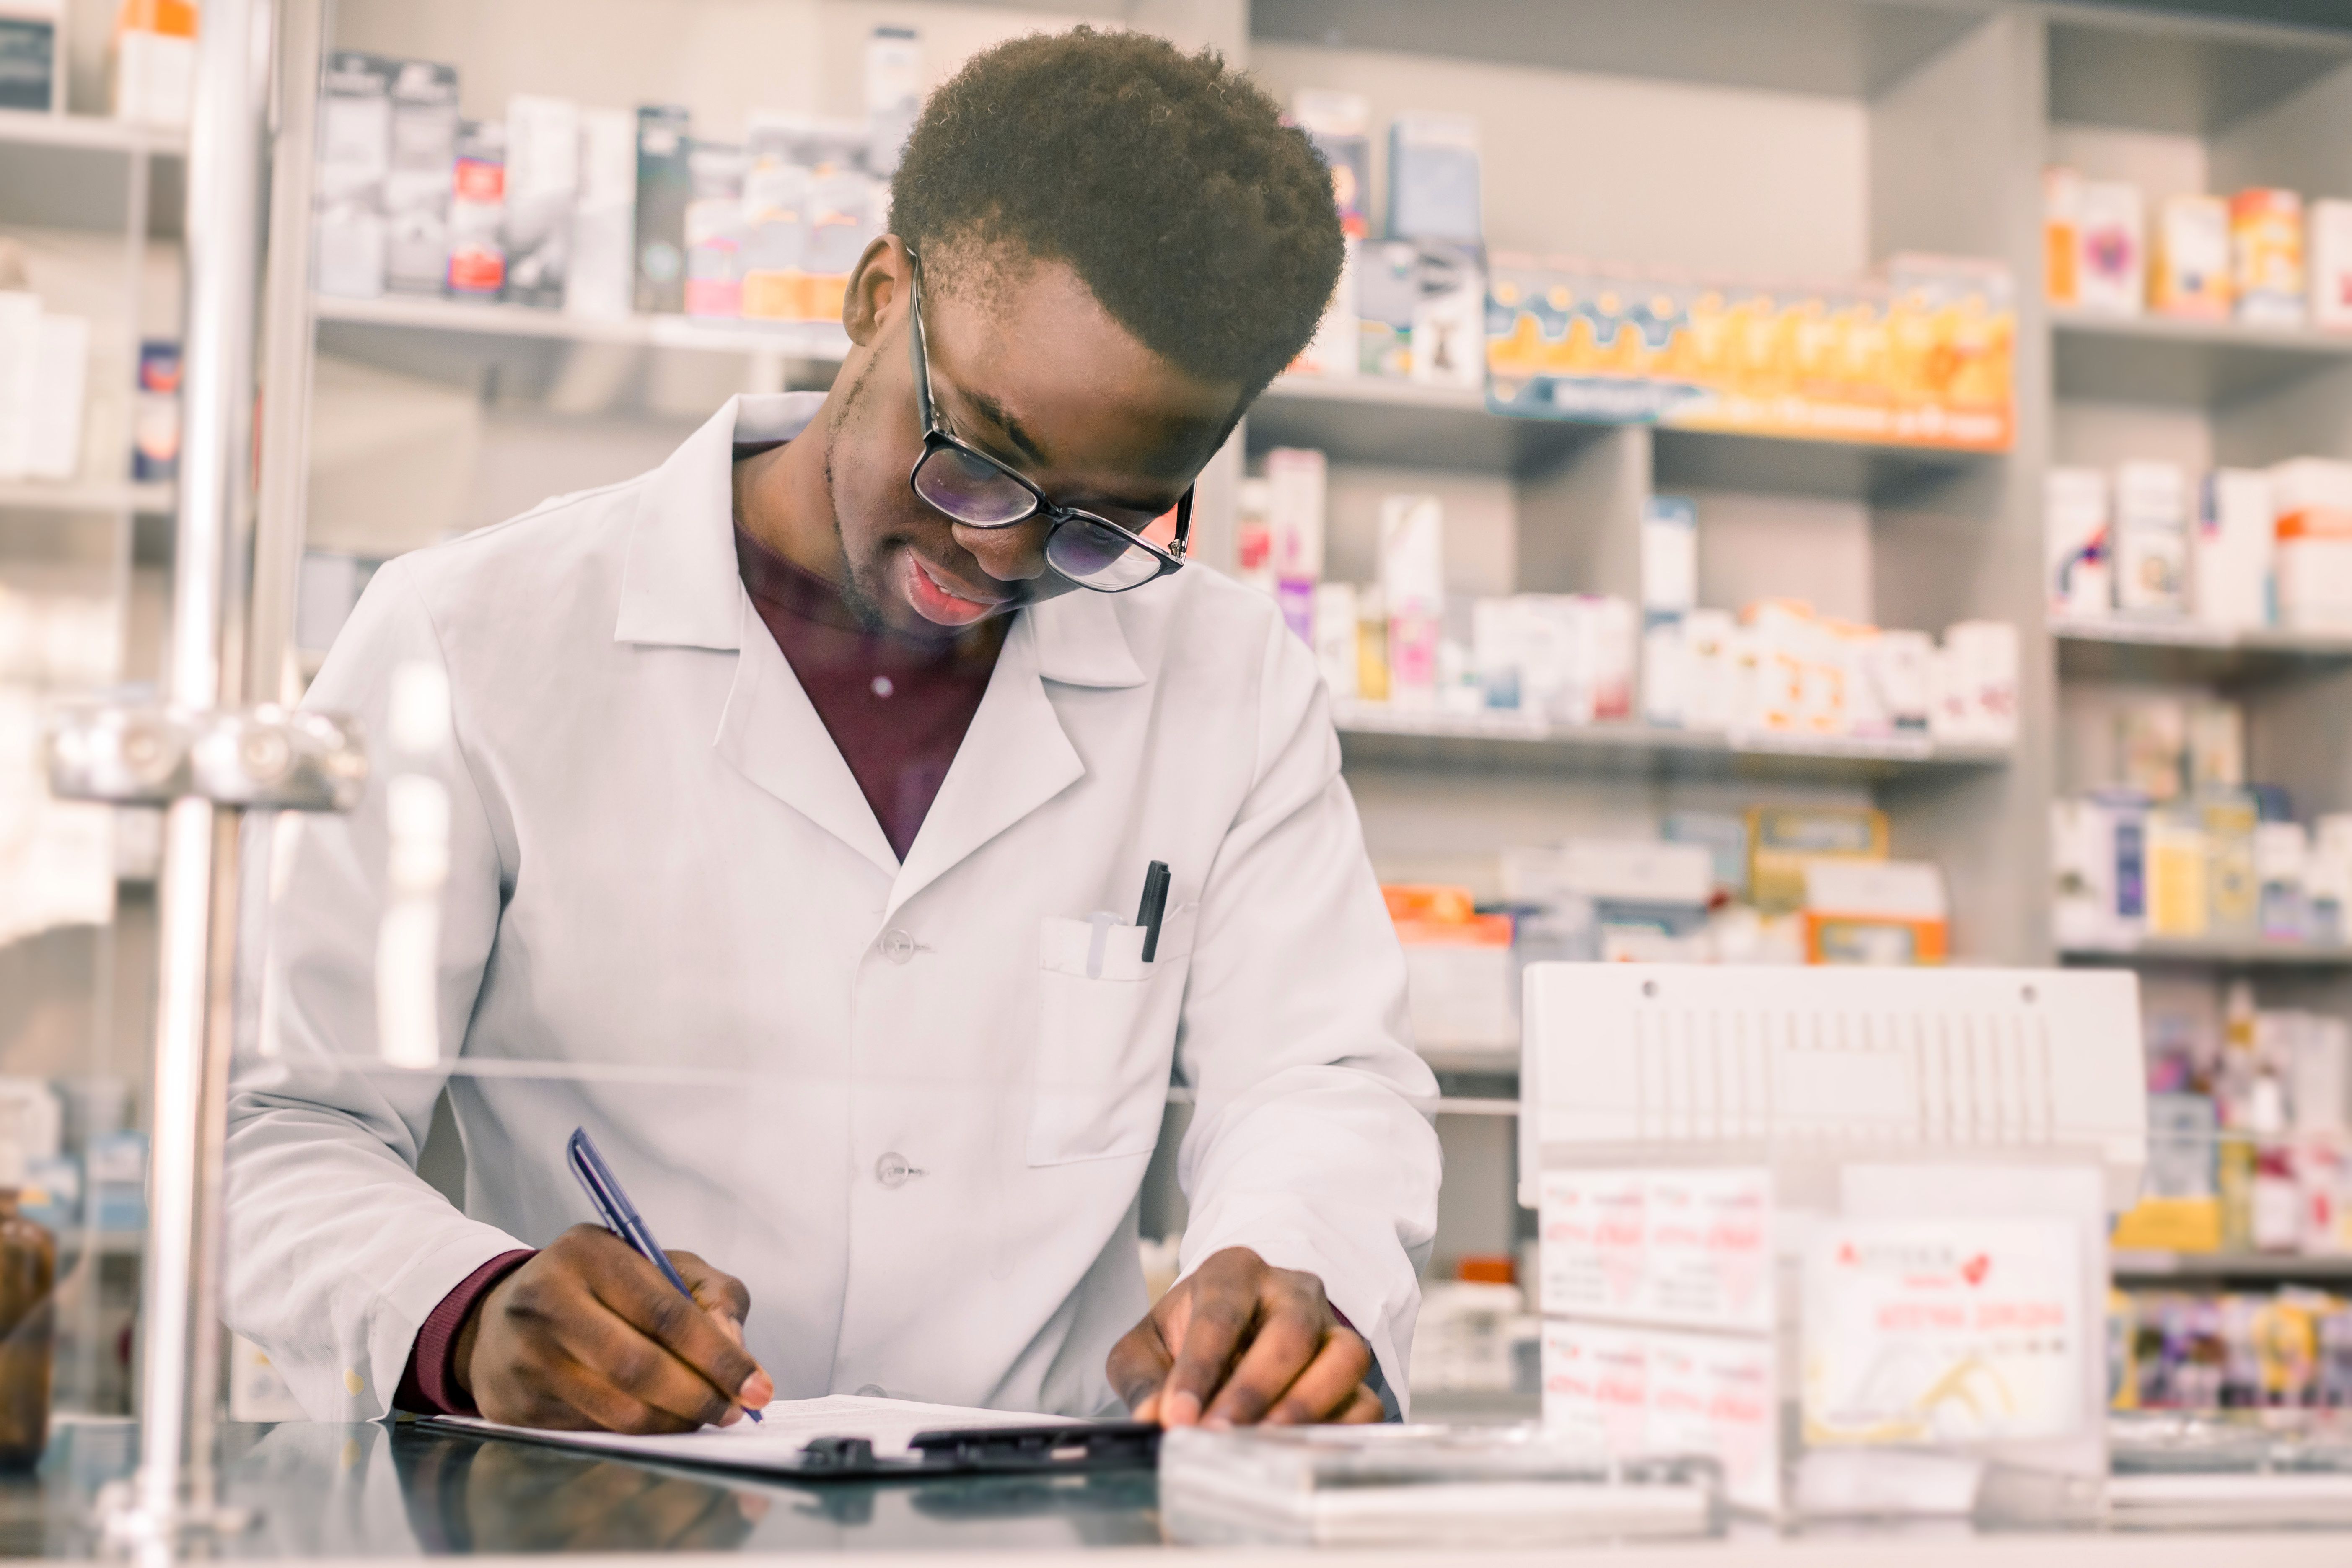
x,y
1014,555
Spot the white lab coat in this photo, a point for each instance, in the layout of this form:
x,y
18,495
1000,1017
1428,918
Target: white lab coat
x,y
666,887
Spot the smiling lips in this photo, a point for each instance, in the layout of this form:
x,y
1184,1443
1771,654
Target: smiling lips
x,y
941,600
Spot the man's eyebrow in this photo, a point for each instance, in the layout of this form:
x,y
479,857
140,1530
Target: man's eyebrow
x,y
996,414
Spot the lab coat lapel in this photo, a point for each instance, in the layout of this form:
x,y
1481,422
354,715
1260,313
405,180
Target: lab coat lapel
x,y
1016,756
681,588
772,734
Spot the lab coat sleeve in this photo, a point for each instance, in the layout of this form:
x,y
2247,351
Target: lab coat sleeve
x,y
336,1248
1309,1142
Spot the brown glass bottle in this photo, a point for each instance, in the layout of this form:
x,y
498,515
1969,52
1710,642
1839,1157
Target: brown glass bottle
x,y
28,1277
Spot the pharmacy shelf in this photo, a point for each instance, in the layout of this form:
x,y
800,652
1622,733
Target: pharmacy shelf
x,y
2146,1268
2183,651
1384,419
2163,359
91,132
151,499
1376,733
463,318
2216,953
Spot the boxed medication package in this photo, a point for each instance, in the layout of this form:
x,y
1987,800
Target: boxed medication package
x,y
2074,532
348,191
2189,265
2151,538
665,184
477,201
2230,555
2328,259
1434,178
2266,255
417,187
2312,501
603,221
31,67
543,189
2111,257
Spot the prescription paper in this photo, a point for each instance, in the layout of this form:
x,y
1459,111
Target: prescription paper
x,y
786,1426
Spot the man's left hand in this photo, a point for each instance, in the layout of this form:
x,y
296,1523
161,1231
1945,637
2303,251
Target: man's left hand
x,y
1236,1343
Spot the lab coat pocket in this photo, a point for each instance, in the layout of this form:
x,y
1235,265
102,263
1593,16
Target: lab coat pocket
x,y
1105,1034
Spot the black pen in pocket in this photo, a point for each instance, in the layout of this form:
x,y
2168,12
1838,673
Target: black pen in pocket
x,y
1155,904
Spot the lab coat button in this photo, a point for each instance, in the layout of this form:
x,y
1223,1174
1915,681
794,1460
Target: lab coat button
x,y
893,1170
896,945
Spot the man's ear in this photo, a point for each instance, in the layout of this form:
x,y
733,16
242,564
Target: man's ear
x,y
877,282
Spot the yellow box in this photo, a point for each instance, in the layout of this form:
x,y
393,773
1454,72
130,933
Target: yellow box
x,y
1781,839
2169,1224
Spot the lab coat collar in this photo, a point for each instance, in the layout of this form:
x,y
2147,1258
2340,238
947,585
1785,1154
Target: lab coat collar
x,y
1080,643
679,587
1014,758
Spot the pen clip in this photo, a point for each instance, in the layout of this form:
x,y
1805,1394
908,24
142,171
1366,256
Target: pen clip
x,y
1154,905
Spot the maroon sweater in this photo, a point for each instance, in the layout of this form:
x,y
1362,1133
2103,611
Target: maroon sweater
x,y
897,708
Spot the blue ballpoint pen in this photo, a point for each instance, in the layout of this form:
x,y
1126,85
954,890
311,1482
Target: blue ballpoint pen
x,y
620,1215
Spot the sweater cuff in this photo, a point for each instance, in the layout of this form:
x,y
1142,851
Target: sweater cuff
x,y
429,1385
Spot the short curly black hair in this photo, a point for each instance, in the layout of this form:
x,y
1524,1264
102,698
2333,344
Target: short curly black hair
x,y
1203,223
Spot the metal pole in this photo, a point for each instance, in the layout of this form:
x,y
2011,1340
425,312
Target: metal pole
x,y
210,572
286,357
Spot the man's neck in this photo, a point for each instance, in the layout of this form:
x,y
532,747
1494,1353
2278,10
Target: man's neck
x,y
782,501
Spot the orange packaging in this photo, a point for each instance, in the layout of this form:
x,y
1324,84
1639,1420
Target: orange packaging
x,y
2266,255
2062,231
1832,938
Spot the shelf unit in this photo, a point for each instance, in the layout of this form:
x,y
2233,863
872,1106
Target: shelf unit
x,y
2217,953
97,205
2227,1268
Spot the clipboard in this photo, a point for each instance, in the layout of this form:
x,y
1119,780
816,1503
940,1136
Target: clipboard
x,y
1037,1448
1077,1448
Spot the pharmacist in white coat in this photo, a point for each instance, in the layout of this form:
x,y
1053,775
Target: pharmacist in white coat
x,y
892,1103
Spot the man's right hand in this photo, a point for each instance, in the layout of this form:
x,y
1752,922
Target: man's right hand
x,y
588,1335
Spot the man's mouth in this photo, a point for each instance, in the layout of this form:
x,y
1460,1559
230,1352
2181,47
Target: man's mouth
x,y
940,599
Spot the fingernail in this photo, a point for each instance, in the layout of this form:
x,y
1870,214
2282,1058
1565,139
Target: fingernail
x,y
1181,1409
758,1390
1217,1423
734,1414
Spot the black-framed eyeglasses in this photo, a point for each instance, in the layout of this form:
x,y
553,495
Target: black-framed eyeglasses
x,y
965,484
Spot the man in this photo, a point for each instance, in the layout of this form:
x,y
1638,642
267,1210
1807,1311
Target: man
x,y
797,791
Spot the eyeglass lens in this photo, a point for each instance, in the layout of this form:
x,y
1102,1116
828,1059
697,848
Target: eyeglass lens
x,y
1100,555
970,490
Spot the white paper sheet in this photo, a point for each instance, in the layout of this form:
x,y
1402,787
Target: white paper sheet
x,y
786,1426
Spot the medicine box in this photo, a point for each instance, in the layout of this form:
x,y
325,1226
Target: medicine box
x,y
1296,487
2230,555
1413,555
478,258
664,186
2062,235
2266,254
1669,555
603,221
347,241
1338,124
2189,264
2312,499
2328,260
30,77
2151,535
2074,534
1433,177
2111,262
1782,840
416,188
543,190
712,228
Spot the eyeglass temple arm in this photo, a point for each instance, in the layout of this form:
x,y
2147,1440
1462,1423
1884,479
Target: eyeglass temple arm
x,y
915,337
1176,546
